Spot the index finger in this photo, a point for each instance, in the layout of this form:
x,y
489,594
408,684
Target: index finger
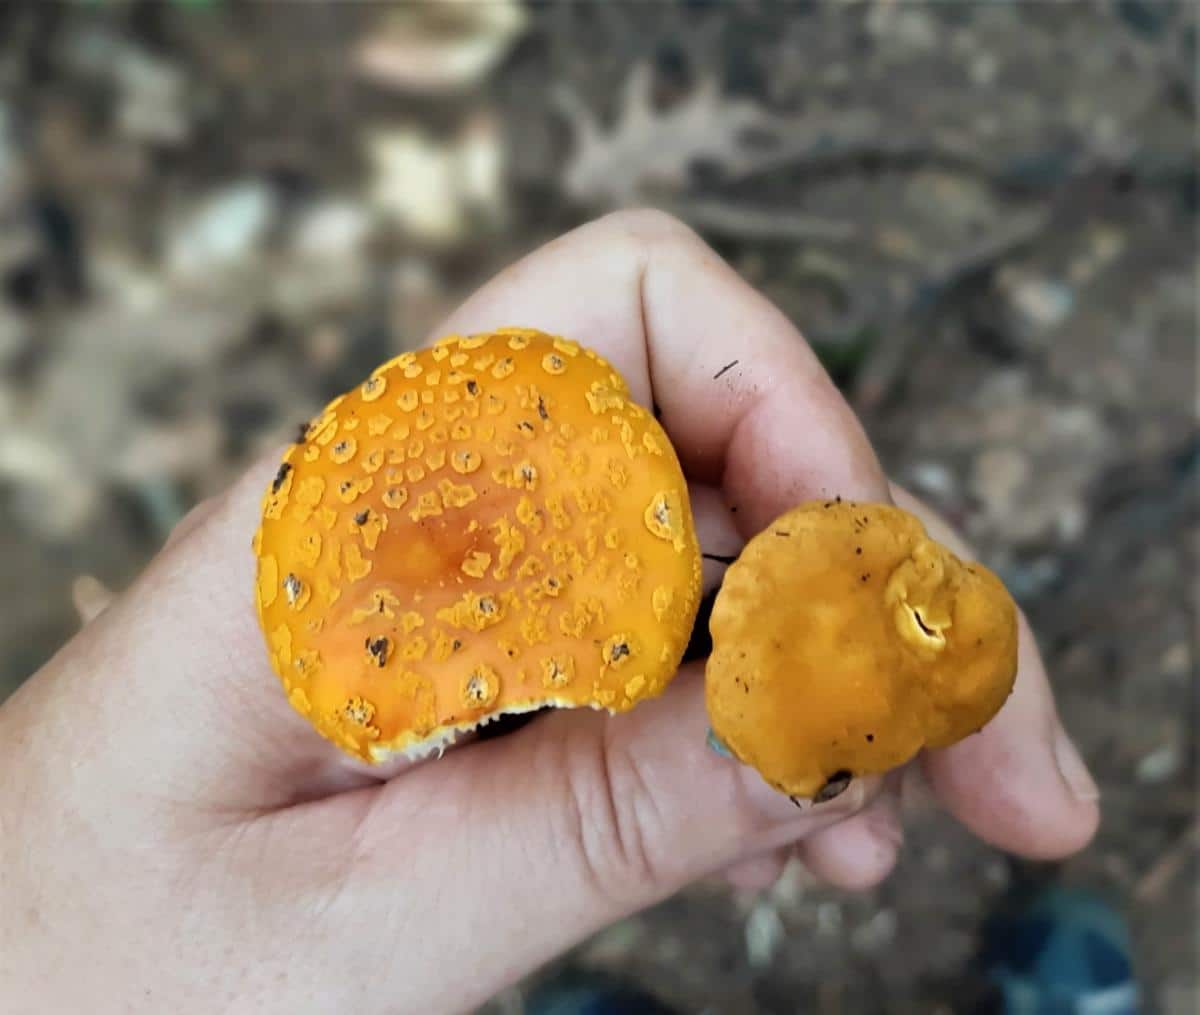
x,y
746,402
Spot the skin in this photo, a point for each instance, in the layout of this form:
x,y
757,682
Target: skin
x,y
173,836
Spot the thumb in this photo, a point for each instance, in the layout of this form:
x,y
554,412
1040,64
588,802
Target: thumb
x,y
658,808
550,833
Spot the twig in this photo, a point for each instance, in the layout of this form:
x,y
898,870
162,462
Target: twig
x,y
860,139
953,270
1136,496
827,143
730,218
1158,878
884,366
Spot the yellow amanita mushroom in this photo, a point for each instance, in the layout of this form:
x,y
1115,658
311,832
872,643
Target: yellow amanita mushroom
x,y
845,639
487,526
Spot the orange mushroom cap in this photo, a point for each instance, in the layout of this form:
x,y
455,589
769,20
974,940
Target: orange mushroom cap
x,y
487,526
845,639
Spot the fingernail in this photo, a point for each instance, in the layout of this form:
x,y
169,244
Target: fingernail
x,y
1073,769
780,807
717,745
842,794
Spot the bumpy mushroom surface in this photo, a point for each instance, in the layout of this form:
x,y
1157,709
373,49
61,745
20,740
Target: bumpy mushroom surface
x,y
845,639
487,526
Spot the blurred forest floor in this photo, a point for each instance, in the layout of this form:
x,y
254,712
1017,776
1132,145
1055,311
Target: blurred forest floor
x,y
213,217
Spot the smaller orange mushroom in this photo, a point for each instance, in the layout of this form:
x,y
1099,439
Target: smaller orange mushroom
x,y
845,640
484,527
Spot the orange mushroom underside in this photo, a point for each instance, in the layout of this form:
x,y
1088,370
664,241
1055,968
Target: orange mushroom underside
x,y
483,527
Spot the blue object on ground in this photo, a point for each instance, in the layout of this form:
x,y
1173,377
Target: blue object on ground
x,y
1066,952
583,993
1060,952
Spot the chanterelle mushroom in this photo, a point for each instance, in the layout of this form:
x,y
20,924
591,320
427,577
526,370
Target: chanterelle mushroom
x,y
845,640
484,527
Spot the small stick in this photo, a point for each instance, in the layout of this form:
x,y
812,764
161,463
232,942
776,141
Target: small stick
x,y
1167,867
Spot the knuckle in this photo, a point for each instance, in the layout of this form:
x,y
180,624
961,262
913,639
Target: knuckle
x,y
649,226
615,826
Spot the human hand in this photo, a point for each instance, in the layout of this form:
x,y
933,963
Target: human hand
x,y
174,837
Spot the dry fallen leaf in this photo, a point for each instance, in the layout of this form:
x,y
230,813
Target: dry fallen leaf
x,y
435,48
437,188
648,148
